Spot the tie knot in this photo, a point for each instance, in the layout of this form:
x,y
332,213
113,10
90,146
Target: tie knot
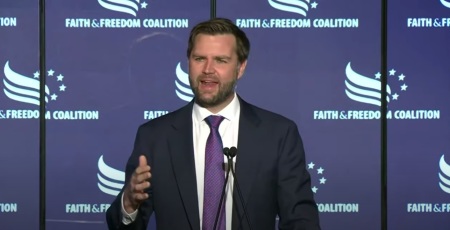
x,y
214,121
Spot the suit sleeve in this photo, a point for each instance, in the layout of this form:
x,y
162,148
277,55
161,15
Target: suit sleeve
x,y
114,214
297,208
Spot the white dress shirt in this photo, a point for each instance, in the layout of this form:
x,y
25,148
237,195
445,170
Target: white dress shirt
x,y
228,130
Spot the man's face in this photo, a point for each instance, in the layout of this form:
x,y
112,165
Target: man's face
x,y
214,70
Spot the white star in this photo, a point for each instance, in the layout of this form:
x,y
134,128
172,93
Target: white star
x,y
54,96
314,189
320,170
36,74
314,5
144,5
378,75
323,180
311,165
62,88
50,72
395,96
401,77
404,86
392,72
60,77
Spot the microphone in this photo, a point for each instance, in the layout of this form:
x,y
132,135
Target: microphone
x,y
232,153
226,151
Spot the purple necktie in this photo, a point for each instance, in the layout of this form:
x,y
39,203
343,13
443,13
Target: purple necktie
x,y
214,176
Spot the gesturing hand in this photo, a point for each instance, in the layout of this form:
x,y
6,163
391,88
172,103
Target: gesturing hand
x,y
134,193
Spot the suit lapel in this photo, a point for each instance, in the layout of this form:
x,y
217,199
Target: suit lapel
x,y
181,151
247,159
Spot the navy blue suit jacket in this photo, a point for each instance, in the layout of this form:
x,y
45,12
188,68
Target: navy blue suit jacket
x,y
270,169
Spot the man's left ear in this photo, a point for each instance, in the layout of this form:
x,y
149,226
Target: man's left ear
x,y
241,69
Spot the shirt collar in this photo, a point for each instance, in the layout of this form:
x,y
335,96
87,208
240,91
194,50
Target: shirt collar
x,y
230,112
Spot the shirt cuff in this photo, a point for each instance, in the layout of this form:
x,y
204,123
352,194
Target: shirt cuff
x,y
127,218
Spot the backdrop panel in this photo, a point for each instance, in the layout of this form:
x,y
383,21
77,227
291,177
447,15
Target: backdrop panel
x,y
19,110
419,131
316,62
111,67
115,67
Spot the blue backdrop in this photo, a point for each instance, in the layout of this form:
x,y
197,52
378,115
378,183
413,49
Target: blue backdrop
x,y
112,67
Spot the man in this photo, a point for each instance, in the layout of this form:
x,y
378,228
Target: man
x,y
171,167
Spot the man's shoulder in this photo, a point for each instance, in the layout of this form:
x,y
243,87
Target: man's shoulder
x,y
266,115
263,112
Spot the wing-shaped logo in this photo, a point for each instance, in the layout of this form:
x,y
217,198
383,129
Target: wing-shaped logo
x,y
183,89
445,3
124,6
363,89
22,88
25,89
294,6
110,180
444,175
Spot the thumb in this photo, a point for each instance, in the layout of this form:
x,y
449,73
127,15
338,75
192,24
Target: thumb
x,y
142,161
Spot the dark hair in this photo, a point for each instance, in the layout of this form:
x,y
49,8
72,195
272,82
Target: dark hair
x,y
217,26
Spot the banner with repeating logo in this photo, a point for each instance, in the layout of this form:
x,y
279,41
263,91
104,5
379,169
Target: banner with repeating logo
x,y
124,63
419,131
113,65
19,105
318,63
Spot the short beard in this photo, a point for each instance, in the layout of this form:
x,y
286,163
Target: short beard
x,y
225,91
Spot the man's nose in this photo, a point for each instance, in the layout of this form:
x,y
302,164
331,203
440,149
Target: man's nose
x,y
208,67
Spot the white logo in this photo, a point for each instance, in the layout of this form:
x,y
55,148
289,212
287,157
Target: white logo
x,y
124,6
183,90
444,175
437,21
316,177
301,8
26,89
318,180
295,6
445,3
367,90
110,180
129,7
